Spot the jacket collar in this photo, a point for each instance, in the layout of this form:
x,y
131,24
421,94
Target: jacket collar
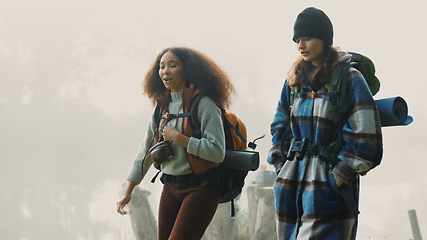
x,y
187,95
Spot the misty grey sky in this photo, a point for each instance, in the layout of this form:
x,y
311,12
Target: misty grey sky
x,y
72,115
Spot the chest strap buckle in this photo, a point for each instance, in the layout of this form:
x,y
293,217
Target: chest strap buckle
x,y
299,148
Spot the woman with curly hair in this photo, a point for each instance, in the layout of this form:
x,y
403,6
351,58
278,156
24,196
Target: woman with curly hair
x,y
317,182
188,202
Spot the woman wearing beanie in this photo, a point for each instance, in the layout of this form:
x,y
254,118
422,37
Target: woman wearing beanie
x,y
317,158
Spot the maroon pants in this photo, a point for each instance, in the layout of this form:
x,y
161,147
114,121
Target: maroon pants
x,y
185,211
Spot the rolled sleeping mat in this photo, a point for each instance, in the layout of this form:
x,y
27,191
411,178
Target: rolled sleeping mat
x,y
241,160
393,112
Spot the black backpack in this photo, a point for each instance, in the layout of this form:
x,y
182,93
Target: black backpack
x,y
229,176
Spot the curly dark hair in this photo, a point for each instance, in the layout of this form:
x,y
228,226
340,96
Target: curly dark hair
x,y
302,71
200,70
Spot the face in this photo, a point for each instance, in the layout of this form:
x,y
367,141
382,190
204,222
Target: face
x,y
171,72
311,49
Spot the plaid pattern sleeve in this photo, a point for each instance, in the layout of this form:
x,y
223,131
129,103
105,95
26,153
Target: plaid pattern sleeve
x,y
362,149
278,128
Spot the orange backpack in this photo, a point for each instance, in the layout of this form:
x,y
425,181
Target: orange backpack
x,y
235,131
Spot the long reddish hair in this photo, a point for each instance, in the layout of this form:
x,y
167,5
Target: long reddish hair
x,y
317,76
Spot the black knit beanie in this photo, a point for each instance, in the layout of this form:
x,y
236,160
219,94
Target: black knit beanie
x,y
313,22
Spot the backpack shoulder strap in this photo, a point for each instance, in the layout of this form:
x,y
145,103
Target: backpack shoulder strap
x,y
292,95
194,122
336,85
158,114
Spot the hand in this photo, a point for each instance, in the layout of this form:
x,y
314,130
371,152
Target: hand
x,y
121,205
170,133
126,199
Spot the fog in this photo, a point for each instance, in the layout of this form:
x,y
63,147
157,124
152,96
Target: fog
x,y
72,113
